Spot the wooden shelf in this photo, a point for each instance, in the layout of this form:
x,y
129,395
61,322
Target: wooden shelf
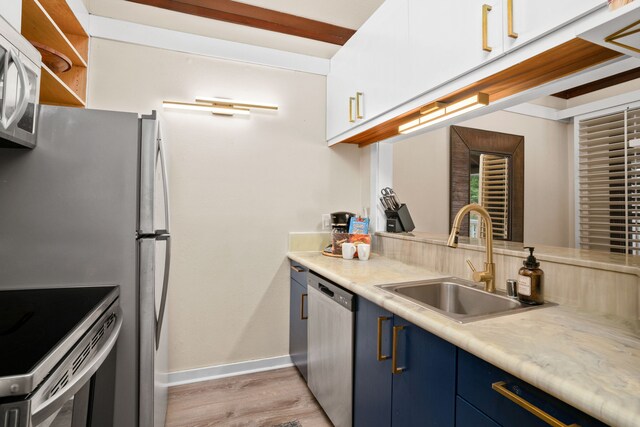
x,y
54,91
38,26
53,24
63,16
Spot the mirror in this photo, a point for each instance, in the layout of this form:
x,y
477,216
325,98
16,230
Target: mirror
x,y
487,168
427,173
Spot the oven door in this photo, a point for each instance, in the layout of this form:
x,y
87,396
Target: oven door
x,y
74,412
79,392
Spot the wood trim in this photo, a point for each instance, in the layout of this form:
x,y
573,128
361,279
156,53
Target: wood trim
x,y
599,84
561,61
465,140
257,17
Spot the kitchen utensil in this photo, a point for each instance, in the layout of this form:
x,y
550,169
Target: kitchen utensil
x,y
54,60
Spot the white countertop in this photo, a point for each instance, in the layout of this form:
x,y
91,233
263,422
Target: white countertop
x,y
589,361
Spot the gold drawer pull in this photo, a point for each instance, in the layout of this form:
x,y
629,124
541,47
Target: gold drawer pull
x,y
302,316
500,388
297,269
352,101
485,28
394,351
379,354
359,105
510,31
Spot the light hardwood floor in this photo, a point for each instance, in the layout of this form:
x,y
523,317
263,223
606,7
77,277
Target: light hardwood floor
x,y
263,399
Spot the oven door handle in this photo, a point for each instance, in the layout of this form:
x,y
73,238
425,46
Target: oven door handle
x,y
50,406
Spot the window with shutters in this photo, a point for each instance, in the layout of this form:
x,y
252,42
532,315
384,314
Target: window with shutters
x,y
493,193
608,199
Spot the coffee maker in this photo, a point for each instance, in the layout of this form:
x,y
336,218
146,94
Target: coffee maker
x,y
340,221
339,232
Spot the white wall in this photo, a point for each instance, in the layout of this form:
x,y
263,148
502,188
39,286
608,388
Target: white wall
x,y
421,176
238,186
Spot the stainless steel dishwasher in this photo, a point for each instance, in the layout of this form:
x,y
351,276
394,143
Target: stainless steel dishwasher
x,y
330,346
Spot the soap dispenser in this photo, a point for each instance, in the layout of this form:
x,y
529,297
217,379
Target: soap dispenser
x,y
531,281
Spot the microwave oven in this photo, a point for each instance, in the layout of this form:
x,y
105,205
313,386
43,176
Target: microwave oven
x,y
20,67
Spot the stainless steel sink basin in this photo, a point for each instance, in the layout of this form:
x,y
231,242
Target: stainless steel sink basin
x,y
458,299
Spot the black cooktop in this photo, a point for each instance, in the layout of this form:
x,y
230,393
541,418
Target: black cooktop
x,y
34,321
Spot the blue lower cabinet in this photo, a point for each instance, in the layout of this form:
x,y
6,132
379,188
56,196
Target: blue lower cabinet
x,y
298,325
493,391
425,379
372,371
421,390
468,416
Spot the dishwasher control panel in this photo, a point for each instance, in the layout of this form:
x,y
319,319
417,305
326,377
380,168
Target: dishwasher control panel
x,y
331,290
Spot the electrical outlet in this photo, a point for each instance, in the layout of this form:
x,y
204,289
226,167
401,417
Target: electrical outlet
x,y
326,221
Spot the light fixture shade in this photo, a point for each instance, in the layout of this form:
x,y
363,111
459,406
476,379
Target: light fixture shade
x,y
477,101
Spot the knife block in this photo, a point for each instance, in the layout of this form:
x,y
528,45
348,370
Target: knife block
x,y
399,220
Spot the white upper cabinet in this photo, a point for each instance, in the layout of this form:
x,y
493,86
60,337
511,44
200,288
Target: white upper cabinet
x,y
368,73
341,86
449,38
11,11
410,47
531,19
384,58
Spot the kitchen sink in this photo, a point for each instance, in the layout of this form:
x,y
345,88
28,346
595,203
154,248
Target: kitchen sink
x,y
458,299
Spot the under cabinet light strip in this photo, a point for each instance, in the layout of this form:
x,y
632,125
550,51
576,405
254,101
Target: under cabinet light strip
x,y
204,107
450,111
236,103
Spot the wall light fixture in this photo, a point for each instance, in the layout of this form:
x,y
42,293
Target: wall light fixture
x,y
221,106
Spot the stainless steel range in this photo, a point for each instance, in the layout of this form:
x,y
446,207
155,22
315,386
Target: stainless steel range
x,y
57,367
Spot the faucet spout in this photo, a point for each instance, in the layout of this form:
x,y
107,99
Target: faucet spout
x,y
488,275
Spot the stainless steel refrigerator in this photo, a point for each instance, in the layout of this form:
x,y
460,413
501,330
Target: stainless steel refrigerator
x,y
89,206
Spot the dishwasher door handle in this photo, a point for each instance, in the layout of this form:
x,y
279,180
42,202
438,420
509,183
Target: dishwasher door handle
x,y
325,290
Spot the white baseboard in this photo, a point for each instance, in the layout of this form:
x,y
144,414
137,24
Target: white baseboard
x,y
222,371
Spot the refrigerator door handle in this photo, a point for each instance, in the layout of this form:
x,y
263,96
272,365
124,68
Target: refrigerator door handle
x,y
165,289
165,181
148,158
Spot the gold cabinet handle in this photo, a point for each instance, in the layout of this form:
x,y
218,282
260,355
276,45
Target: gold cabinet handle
x,y
302,316
352,102
510,31
379,354
485,27
297,269
500,388
394,351
359,105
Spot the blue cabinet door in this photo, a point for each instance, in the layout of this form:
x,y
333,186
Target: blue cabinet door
x,y
424,392
372,377
298,326
476,379
468,416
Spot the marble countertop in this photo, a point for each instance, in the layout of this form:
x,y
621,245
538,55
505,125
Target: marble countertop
x,y
591,362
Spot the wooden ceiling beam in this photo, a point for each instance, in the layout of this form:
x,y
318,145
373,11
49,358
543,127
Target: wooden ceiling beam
x,y
604,83
257,17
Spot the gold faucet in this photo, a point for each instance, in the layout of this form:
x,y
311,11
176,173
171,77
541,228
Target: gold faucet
x,y
489,274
